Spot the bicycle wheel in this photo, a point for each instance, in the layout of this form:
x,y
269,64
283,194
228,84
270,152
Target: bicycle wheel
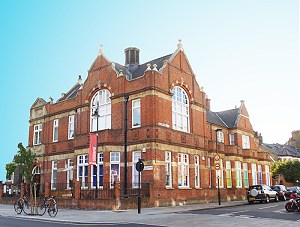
x,y
52,210
27,208
41,209
18,206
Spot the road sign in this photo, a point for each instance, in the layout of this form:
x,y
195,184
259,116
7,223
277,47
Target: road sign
x,y
217,157
217,166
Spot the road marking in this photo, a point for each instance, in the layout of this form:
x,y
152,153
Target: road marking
x,y
261,208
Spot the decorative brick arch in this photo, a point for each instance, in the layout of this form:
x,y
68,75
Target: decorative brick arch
x,y
184,86
100,85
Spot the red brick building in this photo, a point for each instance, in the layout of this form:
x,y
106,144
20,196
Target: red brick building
x,y
155,111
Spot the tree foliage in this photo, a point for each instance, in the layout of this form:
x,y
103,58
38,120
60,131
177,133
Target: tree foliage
x,y
290,169
25,160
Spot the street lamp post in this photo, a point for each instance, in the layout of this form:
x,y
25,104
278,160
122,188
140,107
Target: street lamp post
x,y
219,194
96,113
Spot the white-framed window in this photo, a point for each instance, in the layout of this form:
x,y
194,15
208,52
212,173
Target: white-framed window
x,y
183,170
220,135
100,111
135,174
231,139
245,142
254,173
220,175
53,175
228,174
238,170
246,179
267,171
71,127
168,161
259,174
100,172
197,171
136,113
82,170
114,167
180,110
70,172
37,134
55,130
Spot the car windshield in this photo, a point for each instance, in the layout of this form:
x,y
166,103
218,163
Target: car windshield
x,y
292,188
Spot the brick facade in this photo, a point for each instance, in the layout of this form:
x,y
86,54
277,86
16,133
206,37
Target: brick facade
x,y
155,136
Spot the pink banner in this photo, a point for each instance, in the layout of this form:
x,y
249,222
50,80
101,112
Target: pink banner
x,y
93,149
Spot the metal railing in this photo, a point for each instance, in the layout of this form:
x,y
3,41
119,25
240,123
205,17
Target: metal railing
x,y
89,192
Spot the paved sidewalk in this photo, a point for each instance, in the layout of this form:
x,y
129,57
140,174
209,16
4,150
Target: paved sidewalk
x,y
154,216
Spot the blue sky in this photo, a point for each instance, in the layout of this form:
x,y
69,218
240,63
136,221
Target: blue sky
x,y
239,50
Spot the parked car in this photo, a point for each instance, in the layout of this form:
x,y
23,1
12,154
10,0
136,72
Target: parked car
x,y
281,190
261,193
294,189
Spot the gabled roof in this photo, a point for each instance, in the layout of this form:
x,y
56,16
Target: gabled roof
x,y
283,150
139,70
226,119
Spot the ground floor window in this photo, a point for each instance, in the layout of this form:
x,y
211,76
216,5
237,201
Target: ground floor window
x,y
197,171
246,180
254,174
70,166
97,172
219,176
183,170
114,168
228,175
135,174
267,170
238,169
54,175
82,170
168,161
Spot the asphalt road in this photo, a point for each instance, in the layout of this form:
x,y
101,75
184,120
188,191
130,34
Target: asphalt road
x,y
22,222
273,210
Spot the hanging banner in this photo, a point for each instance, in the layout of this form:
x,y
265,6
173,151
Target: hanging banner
x,y
93,149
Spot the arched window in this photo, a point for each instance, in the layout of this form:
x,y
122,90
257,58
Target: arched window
x,y
180,110
101,107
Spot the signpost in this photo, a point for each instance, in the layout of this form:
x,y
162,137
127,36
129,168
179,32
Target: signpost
x,y
139,166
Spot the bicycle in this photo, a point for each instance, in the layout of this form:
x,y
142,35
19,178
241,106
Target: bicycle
x,y
19,204
49,204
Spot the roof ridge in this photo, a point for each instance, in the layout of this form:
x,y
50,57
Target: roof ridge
x,y
222,120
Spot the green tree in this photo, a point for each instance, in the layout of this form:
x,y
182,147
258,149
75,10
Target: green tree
x,y
25,160
290,169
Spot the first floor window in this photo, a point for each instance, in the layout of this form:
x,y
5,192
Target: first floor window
x,y
55,130
220,136
219,176
82,170
136,113
54,175
197,171
71,127
267,170
97,176
168,161
231,139
228,174
114,168
183,170
245,142
37,136
254,173
246,180
238,169
70,166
